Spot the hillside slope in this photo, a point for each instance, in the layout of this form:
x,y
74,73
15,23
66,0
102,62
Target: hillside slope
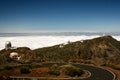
x,y
102,50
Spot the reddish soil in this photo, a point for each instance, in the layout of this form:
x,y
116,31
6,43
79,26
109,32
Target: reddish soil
x,y
37,72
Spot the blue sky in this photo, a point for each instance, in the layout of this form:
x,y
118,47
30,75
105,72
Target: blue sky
x,y
59,15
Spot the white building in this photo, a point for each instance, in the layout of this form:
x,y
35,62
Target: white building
x,y
8,45
15,55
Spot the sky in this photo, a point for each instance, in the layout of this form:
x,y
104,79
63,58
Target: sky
x,y
59,15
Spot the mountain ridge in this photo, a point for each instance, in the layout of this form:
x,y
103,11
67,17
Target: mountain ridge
x,y
103,50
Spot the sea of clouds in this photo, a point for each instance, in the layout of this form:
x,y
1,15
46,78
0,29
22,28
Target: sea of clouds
x,y
35,42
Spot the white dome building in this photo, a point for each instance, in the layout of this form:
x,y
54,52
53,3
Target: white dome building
x,y
8,45
14,55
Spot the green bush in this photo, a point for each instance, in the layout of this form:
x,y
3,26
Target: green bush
x,y
54,67
7,67
25,70
53,70
71,70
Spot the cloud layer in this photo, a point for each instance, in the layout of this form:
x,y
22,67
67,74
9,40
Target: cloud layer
x,y
34,42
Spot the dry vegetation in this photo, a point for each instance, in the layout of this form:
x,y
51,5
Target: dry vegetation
x,y
54,71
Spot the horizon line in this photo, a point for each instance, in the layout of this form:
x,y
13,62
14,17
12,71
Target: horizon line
x,y
50,31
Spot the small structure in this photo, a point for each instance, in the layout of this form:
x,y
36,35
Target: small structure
x,y
14,55
61,45
82,41
69,42
8,45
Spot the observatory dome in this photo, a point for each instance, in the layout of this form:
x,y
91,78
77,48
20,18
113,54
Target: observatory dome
x,y
8,45
13,55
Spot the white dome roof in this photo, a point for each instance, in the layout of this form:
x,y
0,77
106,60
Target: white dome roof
x,y
13,54
8,42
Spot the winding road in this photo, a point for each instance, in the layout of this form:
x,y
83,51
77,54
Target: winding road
x,y
96,73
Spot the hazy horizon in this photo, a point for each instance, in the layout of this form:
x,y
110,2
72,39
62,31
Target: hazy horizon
x,y
58,31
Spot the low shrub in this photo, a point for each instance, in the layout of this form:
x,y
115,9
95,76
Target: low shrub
x,y
71,70
7,68
53,70
53,67
25,70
